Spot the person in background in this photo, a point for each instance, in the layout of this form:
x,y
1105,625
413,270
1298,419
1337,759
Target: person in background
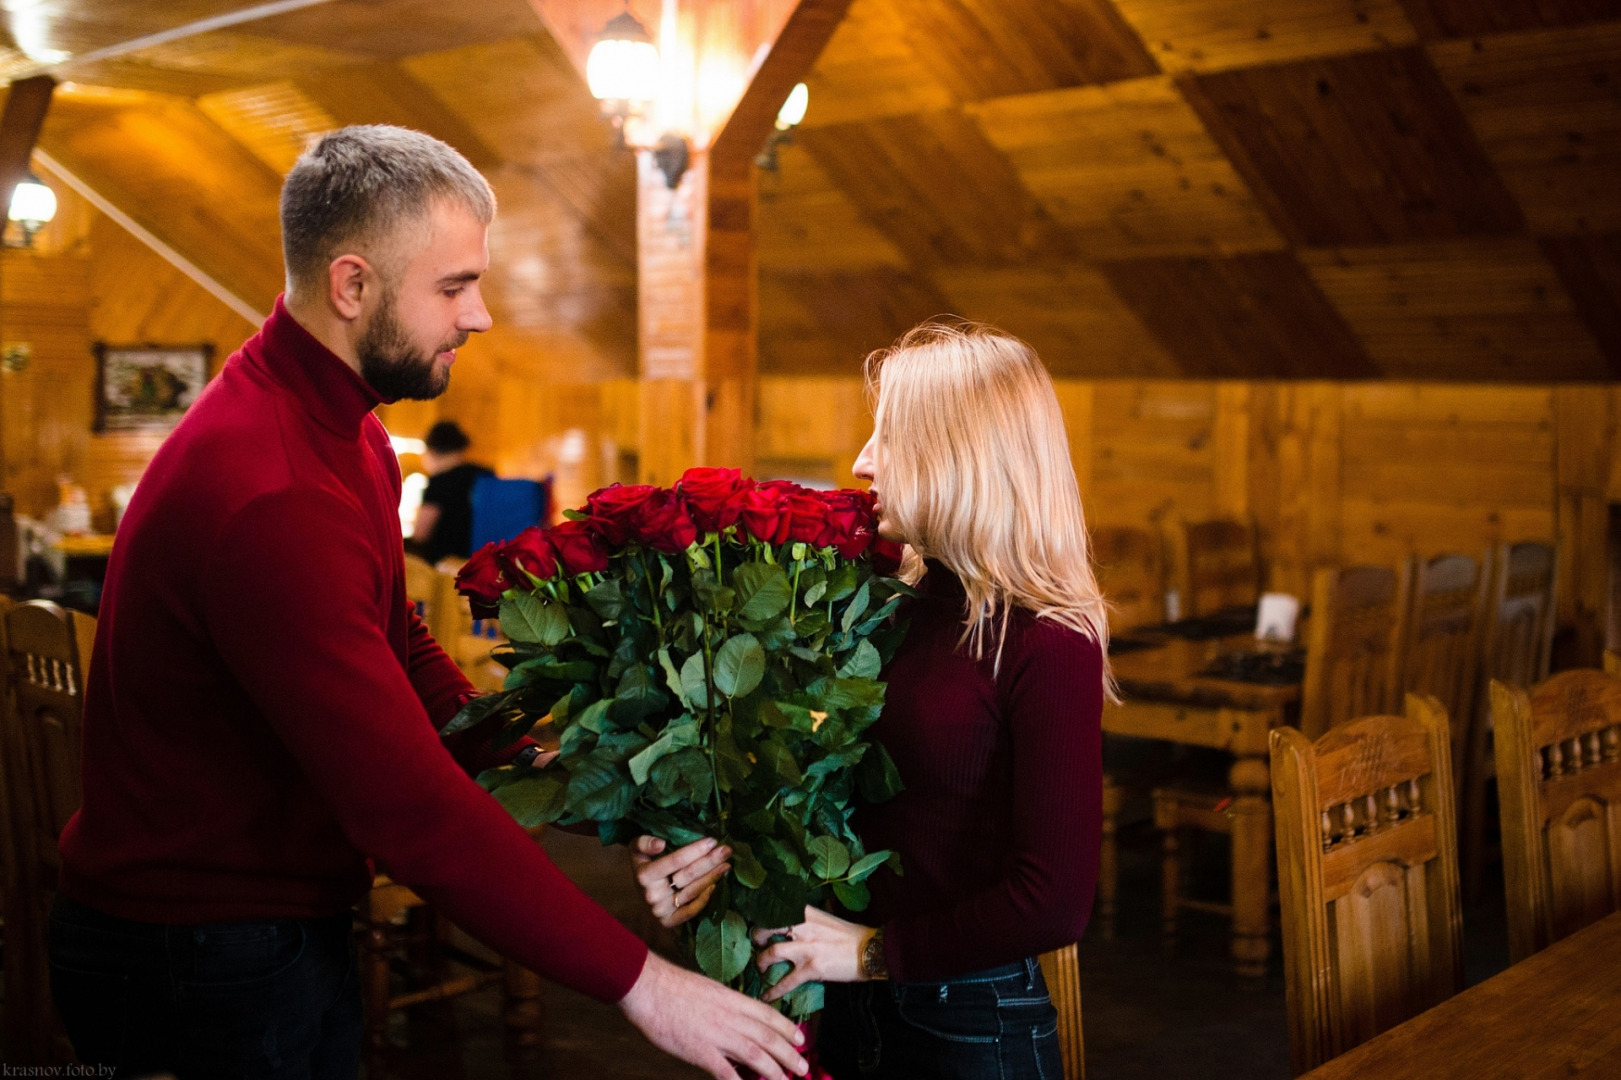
x,y
993,714
444,522
263,709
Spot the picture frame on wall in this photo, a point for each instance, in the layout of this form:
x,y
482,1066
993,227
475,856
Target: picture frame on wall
x,y
147,388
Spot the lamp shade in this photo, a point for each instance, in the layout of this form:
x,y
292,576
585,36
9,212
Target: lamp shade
x,y
624,62
793,110
32,202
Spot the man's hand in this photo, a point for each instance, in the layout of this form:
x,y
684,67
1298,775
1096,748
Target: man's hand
x,y
678,885
708,1025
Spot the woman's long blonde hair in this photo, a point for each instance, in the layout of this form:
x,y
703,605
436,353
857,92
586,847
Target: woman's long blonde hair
x,y
977,474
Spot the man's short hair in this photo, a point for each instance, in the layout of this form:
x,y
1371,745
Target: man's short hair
x,y
447,437
357,185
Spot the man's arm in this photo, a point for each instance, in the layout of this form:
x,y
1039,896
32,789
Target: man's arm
x,y
290,601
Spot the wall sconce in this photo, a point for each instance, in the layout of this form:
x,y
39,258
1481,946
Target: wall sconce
x,y
788,118
32,206
622,71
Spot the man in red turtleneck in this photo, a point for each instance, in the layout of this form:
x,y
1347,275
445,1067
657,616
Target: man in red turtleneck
x,y
263,708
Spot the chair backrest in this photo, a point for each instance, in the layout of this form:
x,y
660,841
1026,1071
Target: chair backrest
x,y
1520,616
47,680
1367,877
1352,645
1558,749
1130,569
1062,970
1439,646
1612,662
1222,568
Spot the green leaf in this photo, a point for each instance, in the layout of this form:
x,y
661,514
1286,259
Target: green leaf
x,y
534,800
677,735
607,599
637,695
783,856
526,617
864,866
831,857
682,776
854,895
876,776
712,595
723,947
745,867
477,711
739,665
852,693
842,582
780,760
804,1000
693,686
854,611
862,664
600,788
672,677
763,590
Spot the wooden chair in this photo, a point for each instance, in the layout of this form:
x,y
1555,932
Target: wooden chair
x,y
1062,970
1367,876
399,927
1352,645
1130,572
1612,662
1221,567
1439,646
45,674
1518,647
1558,749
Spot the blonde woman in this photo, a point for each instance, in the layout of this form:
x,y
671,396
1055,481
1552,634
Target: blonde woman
x,y
992,715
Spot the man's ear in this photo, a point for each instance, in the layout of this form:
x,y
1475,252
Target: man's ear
x,y
348,278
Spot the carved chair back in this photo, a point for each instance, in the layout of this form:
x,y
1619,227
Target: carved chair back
x,y
1223,570
1130,569
1439,649
1367,876
1352,645
1519,630
1558,750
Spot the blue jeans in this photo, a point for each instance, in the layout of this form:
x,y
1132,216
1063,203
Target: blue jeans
x,y
266,999
990,1025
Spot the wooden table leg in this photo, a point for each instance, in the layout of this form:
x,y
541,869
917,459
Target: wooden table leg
x,y
1252,863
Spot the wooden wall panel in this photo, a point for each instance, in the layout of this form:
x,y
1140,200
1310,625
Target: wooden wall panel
x,y
1213,35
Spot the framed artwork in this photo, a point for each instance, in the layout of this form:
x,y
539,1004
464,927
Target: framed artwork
x,y
147,387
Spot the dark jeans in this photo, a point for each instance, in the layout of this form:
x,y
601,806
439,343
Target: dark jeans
x,y
991,1025
277,999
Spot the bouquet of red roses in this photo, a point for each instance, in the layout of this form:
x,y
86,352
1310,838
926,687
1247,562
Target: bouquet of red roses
x,y
709,654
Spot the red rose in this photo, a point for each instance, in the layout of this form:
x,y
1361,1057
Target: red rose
x,y
529,552
662,523
579,548
482,580
710,495
616,508
885,556
763,511
849,524
807,515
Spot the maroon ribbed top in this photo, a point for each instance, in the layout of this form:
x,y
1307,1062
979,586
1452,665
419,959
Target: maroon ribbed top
x,y
999,826
263,704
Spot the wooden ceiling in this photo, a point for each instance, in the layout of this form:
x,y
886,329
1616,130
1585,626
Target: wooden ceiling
x,y
1205,188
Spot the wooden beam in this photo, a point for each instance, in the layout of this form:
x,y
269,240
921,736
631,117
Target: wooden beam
x,y
24,115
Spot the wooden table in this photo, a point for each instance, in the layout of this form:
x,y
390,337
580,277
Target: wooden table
x,y
1166,698
1551,1015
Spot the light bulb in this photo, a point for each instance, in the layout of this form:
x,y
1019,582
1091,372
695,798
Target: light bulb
x,y
624,63
32,202
793,110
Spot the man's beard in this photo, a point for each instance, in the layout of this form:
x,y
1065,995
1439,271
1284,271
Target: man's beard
x,y
393,366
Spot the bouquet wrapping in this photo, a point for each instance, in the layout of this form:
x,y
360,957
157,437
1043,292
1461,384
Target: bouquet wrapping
x,y
709,655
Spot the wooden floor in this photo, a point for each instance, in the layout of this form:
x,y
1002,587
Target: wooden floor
x,y
1147,1015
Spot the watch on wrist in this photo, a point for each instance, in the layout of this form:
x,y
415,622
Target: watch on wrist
x,y
871,959
526,756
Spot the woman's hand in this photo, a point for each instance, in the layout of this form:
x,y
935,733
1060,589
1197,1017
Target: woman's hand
x,y
823,948
678,885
